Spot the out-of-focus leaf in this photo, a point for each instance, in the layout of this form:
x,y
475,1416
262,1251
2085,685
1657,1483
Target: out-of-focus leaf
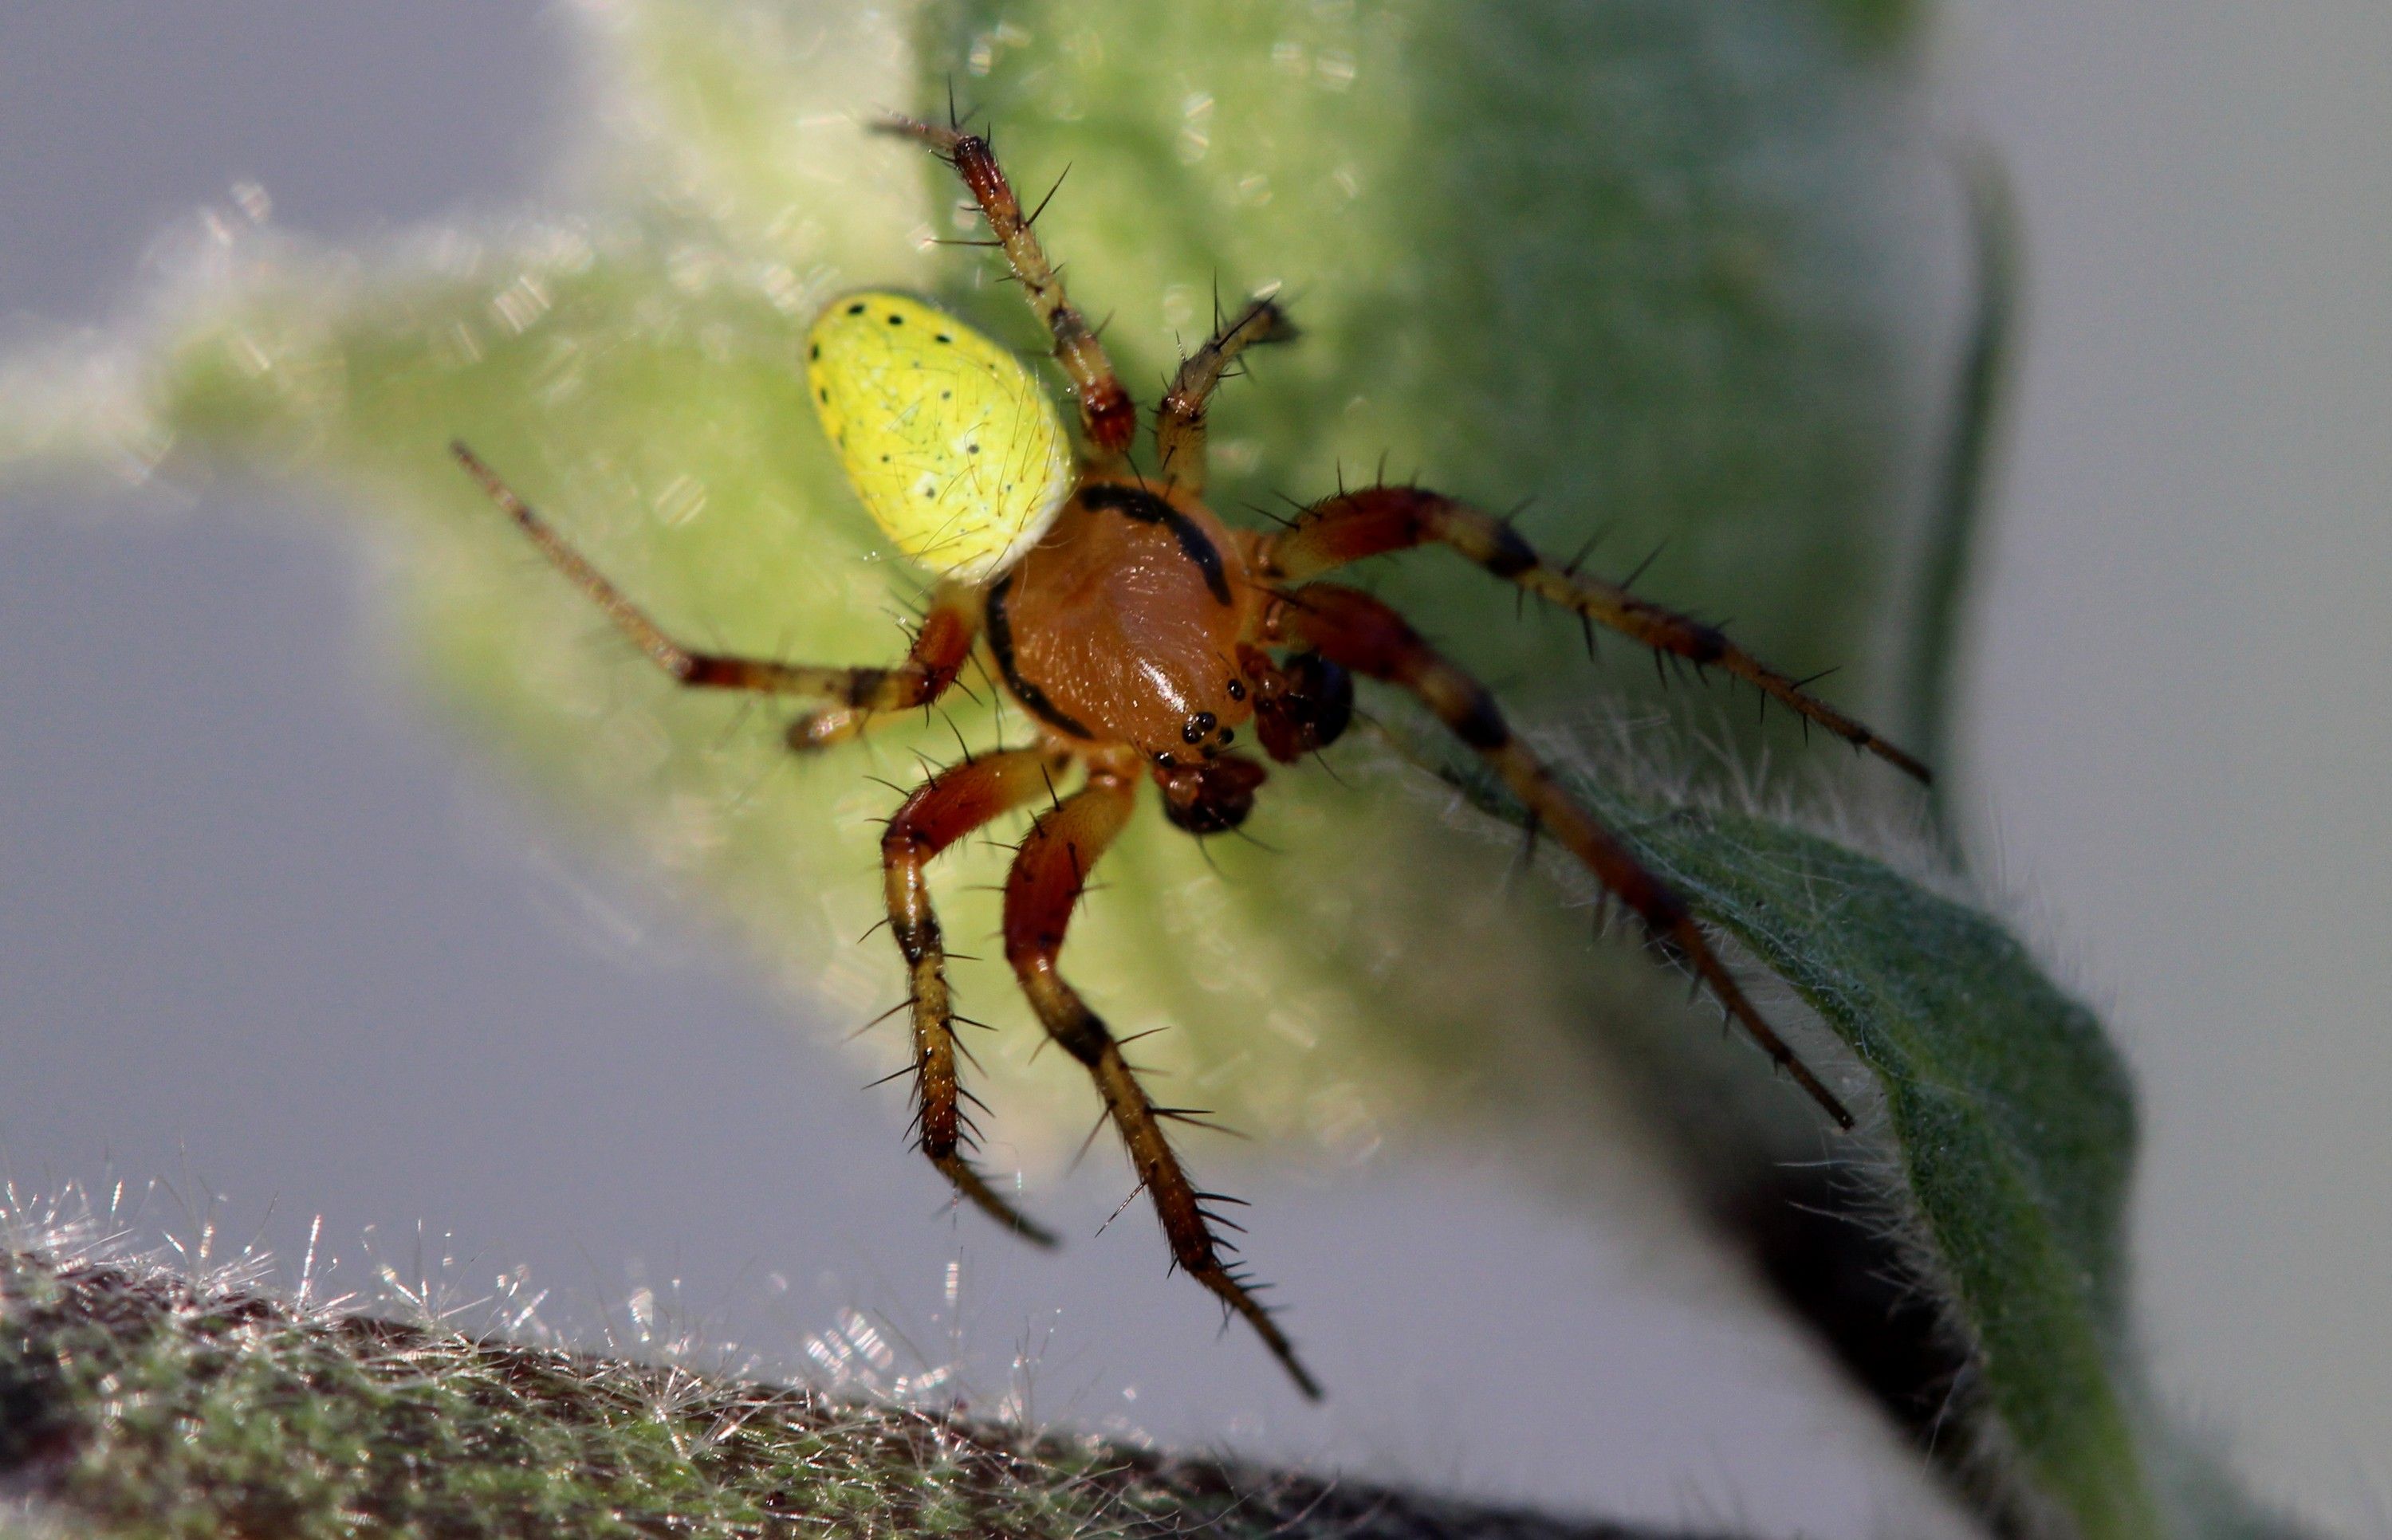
x,y
1631,259
1635,261
1964,481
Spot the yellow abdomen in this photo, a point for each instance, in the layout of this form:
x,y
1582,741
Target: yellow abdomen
x,y
956,449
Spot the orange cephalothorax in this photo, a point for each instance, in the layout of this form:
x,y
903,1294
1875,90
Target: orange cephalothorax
x,y
1123,625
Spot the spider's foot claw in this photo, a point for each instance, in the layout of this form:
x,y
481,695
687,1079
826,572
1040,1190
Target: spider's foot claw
x,y
970,1184
1236,1291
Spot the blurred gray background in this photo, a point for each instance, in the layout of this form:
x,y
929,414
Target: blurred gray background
x,y
268,935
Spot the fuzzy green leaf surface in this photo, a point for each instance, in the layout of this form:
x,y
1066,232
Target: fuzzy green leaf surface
x,y
135,1403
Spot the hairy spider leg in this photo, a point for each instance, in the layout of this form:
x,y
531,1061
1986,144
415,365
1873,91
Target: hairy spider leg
x,y
1107,413
951,804
940,650
1049,876
1353,525
1179,419
1352,628
824,727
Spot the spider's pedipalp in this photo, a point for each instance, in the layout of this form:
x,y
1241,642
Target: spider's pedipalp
x,y
951,804
1353,525
1300,706
826,727
1106,414
1210,796
1040,894
1364,634
1179,419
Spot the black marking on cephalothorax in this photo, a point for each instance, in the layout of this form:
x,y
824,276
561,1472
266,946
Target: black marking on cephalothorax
x,y
1147,509
1000,641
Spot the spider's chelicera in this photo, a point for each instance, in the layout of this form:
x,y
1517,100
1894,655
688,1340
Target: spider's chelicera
x,y
1148,641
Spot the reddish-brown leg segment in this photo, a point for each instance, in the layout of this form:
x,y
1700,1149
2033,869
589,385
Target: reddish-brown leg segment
x,y
1352,628
939,648
1179,420
1107,413
1356,525
1048,878
950,805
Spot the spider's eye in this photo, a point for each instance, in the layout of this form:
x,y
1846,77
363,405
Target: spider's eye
x,y
949,440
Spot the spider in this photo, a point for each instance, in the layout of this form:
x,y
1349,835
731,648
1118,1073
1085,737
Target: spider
x,y
1141,635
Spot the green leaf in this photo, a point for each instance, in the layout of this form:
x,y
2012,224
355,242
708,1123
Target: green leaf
x,y
2004,1137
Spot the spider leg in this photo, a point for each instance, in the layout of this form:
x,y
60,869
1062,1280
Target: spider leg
x,y
1352,628
949,806
1179,420
1352,525
939,651
1106,414
1048,878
